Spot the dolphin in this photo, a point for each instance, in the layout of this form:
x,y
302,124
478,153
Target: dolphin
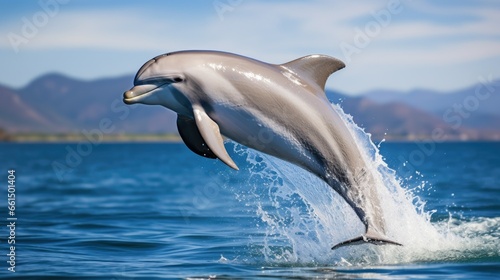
x,y
278,109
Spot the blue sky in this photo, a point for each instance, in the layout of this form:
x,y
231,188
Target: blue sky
x,y
389,44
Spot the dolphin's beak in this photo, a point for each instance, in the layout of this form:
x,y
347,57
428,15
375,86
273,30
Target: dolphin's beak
x,y
135,94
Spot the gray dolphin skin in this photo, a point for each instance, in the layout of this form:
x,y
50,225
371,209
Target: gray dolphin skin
x,y
280,110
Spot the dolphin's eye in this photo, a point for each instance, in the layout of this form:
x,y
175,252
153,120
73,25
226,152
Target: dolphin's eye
x,y
178,79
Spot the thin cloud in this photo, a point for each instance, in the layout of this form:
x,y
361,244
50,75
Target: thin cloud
x,y
419,34
97,29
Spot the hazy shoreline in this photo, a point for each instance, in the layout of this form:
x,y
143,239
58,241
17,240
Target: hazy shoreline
x,y
174,138
73,137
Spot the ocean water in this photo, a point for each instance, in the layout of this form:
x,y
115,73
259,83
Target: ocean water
x,y
156,210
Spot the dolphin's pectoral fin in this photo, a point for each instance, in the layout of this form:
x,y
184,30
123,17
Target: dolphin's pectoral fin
x,y
192,138
209,131
369,237
315,68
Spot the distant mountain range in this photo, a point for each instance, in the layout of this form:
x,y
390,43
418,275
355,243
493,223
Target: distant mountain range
x,y
55,103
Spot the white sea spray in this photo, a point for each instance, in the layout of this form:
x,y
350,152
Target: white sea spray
x,y
303,217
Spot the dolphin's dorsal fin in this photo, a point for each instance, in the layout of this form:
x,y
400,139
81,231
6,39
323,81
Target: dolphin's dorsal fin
x,y
209,131
192,138
315,68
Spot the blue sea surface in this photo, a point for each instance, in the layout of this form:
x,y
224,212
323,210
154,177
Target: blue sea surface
x,y
156,210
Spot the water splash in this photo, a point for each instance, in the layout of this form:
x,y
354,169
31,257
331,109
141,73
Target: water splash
x,y
302,217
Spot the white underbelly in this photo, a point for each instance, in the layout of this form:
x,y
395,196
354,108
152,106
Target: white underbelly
x,y
260,133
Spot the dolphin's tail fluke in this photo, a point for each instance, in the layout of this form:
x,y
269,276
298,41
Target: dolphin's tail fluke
x,y
369,237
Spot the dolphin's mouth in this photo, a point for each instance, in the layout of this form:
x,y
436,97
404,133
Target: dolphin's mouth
x,y
136,93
